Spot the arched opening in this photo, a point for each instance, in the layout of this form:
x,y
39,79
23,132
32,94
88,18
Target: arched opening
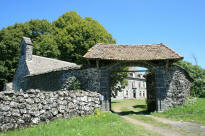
x,y
139,88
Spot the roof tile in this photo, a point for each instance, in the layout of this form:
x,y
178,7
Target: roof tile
x,y
132,53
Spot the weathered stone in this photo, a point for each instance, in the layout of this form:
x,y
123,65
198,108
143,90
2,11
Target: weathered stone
x,y
13,104
37,100
42,111
23,111
30,101
54,111
26,117
16,113
35,120
4,108
61,108
21,105
20,121
7,114
46,107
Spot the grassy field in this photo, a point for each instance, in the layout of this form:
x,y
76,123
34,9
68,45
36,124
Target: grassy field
x,y
101,124
191,112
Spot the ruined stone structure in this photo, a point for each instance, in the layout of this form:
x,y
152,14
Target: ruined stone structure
x,y
171,85
20,109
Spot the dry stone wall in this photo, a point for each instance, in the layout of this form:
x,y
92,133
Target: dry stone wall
x,y
20,109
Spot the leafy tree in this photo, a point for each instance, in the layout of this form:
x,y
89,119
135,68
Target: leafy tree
x,y
45,45
198,74
117,80
76,35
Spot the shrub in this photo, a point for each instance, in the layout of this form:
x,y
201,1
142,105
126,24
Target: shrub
x,y
198,74
72,84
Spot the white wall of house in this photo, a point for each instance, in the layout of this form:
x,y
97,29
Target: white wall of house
x,y
136,87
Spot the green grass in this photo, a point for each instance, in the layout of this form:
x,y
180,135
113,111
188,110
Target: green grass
x,y
136,105
102,124
194,112
130,105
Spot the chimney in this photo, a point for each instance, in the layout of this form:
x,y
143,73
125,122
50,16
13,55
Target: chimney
x,y
26,48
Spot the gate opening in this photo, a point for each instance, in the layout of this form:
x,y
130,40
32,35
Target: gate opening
x,y
135,92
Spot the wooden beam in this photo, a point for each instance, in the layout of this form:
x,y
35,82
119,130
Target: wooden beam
x,y
97,63
88,61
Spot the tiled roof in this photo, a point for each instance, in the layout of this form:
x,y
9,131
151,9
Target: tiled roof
x,y
131,53
40,65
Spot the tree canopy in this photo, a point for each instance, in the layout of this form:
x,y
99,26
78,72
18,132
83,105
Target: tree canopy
x,y
198,74
67,38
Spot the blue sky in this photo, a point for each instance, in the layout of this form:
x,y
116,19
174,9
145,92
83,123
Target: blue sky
x,y
180,24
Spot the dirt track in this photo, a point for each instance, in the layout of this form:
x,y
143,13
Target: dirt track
x,y
173,128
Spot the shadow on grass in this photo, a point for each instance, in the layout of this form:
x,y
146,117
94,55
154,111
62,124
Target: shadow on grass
x,y
140,106
115,102
123,113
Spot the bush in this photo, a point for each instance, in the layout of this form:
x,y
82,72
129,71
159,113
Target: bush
x,y
72,84
198,74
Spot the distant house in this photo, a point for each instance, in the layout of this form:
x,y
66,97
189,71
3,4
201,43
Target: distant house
x,y
136,87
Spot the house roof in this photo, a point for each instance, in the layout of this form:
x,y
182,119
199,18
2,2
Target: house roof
x,y
131,53
40,65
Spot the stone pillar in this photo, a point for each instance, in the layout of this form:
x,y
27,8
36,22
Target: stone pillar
x,y
151,92
105,90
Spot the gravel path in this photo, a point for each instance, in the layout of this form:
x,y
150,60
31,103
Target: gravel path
x,y
174,128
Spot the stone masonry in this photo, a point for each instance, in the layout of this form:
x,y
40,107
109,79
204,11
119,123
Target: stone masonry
x,y
172,85
21,109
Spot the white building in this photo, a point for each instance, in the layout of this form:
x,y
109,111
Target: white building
x,y
136,87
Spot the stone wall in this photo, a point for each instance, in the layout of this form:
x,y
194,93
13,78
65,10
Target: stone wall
x,y
173,86
20,109
21,71
57,80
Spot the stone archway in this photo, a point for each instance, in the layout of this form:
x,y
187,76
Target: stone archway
x,y
106,88
171,86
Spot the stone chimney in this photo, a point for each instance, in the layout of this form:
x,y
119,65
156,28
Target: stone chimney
x,y
26,48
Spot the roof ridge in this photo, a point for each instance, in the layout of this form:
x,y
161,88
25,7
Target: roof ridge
x,y
131,45
53,59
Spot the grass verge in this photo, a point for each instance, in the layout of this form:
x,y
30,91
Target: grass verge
x,y
101,124
191,112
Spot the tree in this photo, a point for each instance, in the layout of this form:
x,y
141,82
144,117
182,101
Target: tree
x,y
76,35
198,74
117,80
